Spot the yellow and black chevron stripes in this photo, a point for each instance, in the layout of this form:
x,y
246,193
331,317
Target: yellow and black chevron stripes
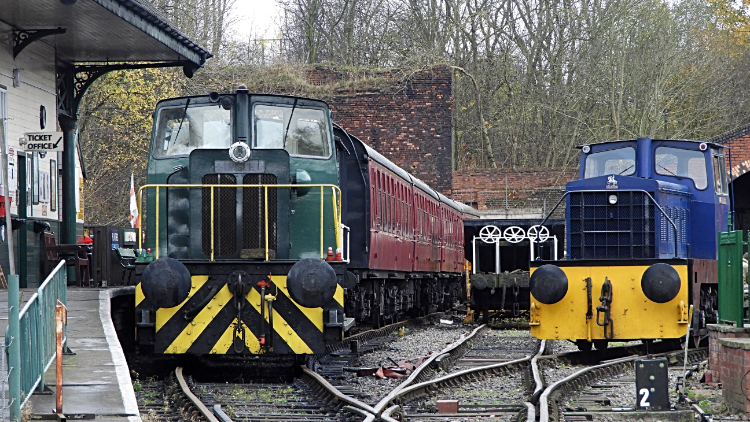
x,y
296,329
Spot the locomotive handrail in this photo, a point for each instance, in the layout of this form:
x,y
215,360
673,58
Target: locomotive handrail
x,y
335,199
674,226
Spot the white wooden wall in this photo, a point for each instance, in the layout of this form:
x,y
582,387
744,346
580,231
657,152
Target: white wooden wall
x,y
36,64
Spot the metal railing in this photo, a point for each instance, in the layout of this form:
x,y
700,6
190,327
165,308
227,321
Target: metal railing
x,y
37,334
335,200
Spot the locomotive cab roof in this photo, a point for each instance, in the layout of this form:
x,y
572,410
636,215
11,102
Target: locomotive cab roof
x,y
609,144
207,97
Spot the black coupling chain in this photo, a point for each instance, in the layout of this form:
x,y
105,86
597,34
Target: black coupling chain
x,y
606,299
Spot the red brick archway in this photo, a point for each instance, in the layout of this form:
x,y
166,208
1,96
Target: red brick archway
x,y
740,169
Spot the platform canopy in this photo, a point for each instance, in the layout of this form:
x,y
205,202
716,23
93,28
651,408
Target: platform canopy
x,y
91,38
102,31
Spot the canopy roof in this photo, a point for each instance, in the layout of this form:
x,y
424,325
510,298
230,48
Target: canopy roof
x,y
104,31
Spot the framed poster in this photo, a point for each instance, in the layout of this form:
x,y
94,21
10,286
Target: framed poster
x,y
44,186
52,185
29,208
34,178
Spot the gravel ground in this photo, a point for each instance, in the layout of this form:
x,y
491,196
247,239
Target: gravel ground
x,y
556,373
503,344
562,346
487,393
565,346
411,347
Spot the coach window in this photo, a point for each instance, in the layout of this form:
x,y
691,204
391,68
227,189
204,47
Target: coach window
x,y
682,164
620,161
720,175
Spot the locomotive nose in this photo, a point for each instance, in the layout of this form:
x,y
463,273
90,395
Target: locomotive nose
x,y
166,282
548,284
311,282
660,283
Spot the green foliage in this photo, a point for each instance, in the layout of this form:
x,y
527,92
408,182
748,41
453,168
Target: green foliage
x,y
115,129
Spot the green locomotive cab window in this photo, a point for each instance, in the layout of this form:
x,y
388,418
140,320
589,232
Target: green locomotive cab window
x,y
180,130
620,161
683,164
301,131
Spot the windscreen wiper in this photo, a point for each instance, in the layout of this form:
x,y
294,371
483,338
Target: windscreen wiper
x,y
289,123
182,119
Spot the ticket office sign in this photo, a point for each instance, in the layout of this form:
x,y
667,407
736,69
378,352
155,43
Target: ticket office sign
x,y
43,141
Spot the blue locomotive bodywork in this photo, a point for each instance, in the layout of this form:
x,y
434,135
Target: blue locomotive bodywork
x,y
642,223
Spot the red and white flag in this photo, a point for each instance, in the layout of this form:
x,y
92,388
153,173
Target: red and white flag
x,y
133,205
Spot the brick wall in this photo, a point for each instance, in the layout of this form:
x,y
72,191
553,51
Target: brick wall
x,y
740,155
407,117
507,188
729,360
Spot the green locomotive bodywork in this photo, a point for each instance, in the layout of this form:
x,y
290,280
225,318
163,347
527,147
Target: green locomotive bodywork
x,y
240,207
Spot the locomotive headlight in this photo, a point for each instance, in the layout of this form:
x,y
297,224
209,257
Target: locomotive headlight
x,y
612,199
660,283
239,152
548,284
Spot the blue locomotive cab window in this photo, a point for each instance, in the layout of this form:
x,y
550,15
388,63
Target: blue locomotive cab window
x,y
682,164
620,161
180,130
720,175
299,130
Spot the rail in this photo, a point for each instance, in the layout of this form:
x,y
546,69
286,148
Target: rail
x,y
205,413
335,200
36,334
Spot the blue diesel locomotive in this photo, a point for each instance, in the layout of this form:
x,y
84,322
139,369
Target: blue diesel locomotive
x,y
641,245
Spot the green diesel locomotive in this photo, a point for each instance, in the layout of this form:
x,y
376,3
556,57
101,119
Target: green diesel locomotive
x,y
240,208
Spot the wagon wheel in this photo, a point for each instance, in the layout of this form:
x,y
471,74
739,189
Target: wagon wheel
x,y
538,234
490,234
514,234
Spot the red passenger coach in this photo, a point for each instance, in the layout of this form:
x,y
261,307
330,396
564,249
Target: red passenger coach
x,y
391,239
404,242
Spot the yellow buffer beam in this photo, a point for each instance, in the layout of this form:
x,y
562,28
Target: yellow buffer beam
x,y
634,316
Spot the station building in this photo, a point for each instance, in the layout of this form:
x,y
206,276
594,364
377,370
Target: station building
x,y
51,51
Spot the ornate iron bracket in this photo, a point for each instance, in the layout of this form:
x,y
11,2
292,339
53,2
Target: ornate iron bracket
x,y
22,38
74,80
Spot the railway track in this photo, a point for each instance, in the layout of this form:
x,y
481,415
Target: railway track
x,y
495,377
597,389
531,400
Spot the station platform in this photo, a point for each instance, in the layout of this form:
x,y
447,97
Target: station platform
x,y
96,379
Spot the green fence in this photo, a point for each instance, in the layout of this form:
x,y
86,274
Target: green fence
x,y
37,334
731,288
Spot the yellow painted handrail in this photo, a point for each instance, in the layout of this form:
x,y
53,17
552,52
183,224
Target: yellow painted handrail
x,y
335,198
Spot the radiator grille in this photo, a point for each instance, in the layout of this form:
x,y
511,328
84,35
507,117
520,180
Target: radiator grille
x,y
599,230
253,212
679,216
225,215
